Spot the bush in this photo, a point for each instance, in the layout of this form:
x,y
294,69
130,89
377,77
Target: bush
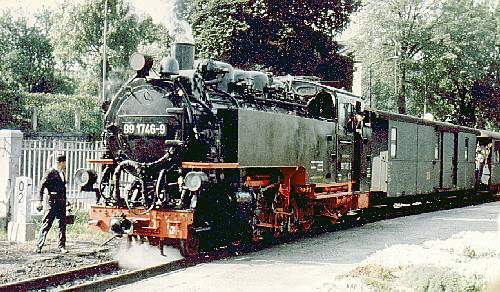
x,y
80,230
11,113
56,112
433,278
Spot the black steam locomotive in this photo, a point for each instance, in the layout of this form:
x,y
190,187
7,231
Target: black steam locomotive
x,y
202,154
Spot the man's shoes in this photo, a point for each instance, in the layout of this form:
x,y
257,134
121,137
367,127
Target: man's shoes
x,y
38,250
63,250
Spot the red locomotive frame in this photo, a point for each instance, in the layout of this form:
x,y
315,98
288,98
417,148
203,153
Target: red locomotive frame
x,y
299,204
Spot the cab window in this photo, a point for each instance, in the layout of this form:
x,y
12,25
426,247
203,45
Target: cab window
x,y
394,142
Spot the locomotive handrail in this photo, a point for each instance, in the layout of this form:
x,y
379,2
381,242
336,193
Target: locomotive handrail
x,y
205,165
100,161
145,116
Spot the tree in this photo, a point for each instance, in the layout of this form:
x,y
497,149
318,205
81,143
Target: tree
x,y
394,30
446,55
55,108
287,37
77,37
462,60
27,60
11,110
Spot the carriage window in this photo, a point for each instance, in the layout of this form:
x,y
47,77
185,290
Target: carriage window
x,y
344,115
394,142
466,156
306,90
436,150
497,152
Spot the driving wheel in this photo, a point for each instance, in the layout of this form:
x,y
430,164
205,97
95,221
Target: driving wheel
x,y
190,246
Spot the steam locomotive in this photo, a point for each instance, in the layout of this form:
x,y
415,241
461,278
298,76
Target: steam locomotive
x,y
202,154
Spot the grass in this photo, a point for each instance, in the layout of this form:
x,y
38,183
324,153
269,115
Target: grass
x,y
79,230
375,276
432,278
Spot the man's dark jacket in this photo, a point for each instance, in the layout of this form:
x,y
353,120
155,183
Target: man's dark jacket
x,y
55,186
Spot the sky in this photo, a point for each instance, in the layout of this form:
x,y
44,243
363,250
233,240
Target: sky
x,y
160,10
27,5
31,6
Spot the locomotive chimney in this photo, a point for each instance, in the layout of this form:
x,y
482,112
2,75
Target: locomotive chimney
x,y
184,53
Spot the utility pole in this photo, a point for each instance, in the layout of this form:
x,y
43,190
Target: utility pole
x,y
395,72
370,84
399,81
104,57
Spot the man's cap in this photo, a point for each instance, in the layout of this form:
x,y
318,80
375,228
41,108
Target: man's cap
x,y
60,157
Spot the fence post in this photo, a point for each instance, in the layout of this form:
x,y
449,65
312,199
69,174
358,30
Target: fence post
x,y
78,117
34,119
11,142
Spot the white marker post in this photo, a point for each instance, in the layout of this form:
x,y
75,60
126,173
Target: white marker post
x,y
22,229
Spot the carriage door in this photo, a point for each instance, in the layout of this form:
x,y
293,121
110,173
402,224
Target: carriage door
x,y
448,152
455,160
384,160
379,172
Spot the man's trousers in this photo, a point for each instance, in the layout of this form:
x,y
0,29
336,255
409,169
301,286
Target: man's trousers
x,y
56,209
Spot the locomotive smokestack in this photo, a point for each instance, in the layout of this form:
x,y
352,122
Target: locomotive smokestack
x,y
184,53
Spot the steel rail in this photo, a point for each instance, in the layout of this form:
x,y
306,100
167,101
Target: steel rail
x,y
137,275
62,277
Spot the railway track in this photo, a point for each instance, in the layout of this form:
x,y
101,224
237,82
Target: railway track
x,y
137,275
43,282
109,274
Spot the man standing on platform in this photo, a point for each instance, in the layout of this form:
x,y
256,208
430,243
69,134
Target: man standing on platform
x,y
54,181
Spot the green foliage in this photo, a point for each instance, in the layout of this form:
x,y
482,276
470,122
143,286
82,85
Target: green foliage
x,y
80,230
27,61
463,57
287,37
56,112
10,107
77,37
443,54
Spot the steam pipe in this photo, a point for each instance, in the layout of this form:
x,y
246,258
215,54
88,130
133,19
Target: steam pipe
x,y
132,167
135,168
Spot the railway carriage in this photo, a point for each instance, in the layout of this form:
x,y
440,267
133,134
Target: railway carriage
x,y
413,156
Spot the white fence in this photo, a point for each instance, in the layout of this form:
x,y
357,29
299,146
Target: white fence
x,y
38,155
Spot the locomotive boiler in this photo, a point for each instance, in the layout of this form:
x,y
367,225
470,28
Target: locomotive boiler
x,y
201,155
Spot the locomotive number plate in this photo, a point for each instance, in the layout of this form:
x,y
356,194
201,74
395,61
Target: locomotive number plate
x,y
143,129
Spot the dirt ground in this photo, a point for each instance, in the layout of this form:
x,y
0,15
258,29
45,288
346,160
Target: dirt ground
x,y
18,261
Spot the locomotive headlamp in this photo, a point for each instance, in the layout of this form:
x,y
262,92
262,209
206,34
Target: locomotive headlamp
x,y
121,226
86,179
194,180
141,63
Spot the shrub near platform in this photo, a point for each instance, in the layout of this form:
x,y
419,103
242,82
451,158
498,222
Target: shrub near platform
x,y
79,231
56,112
